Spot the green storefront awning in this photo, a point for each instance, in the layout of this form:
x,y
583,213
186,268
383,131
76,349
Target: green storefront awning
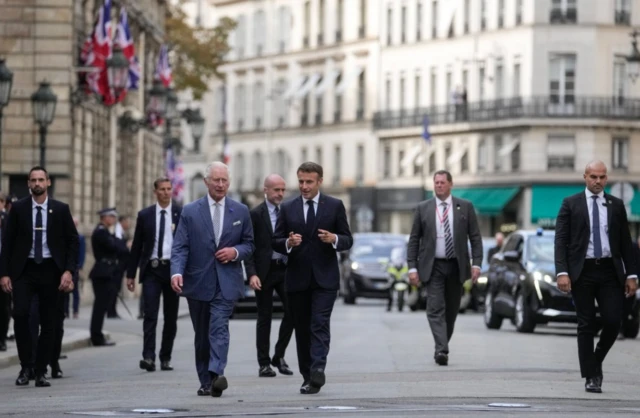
x,y
634,207
487,200
546,200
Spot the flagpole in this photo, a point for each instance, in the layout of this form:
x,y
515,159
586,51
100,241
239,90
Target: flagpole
x,y
113,136
140,145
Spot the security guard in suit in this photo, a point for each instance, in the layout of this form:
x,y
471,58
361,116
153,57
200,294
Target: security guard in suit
x,y
107,250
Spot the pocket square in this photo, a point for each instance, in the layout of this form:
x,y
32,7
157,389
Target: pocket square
x,y
237,223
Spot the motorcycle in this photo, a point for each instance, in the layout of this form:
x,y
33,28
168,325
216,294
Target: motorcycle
x,y
399,286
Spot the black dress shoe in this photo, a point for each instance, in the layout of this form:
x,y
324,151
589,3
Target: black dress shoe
x,y
282,366
266,371
148,365
307,389
166,366
592,386
103,343
318,378
218,385
599,376
56,371
23,377
42,382
442,359
204,391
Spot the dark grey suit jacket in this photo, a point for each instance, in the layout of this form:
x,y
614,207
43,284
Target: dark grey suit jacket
x,y
421,249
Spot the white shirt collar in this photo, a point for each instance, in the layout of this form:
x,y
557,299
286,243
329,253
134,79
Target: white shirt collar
x,y
159,208
211,201
44,204
270,206
316,199
448,201
589,194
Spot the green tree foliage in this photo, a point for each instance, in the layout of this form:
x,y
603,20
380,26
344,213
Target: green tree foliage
x,y
196,52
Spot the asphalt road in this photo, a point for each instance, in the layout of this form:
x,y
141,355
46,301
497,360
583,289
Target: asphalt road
x,y
380,365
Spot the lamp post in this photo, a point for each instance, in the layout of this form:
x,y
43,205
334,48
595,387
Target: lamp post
x,y
44,108
172,104
158,96
196,121
633,60
6,81
118,76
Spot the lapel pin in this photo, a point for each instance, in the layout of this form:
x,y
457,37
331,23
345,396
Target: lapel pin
x,y
50,210
609,202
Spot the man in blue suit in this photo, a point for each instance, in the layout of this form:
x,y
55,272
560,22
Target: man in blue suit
x,y
311,229
213,237
151,251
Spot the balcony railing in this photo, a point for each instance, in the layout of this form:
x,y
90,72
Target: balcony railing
x,y
514,108
622,17
566,16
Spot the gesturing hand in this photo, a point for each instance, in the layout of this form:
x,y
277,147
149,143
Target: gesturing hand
x,y
326,236
294,240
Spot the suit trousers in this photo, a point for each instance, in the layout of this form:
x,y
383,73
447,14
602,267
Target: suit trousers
x,y
199,312
264,302
311,313
41,280
157,284
597,282
101,288
58,331
444,292
5,315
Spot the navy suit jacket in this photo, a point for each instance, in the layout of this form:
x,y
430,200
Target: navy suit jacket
x,y
312,256
194,248
144,237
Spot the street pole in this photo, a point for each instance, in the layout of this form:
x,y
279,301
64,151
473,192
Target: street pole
x,y
140,145
43,144
1,115
113,136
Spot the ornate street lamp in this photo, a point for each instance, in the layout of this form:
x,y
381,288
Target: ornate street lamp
x,y
6,81
633,60
172,104
44,109
196,121
158,98
118,72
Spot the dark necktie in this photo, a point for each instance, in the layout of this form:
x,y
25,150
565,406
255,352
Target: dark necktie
x,y
282,257
311,217
448,237
37,245
595,223
161,233
277,212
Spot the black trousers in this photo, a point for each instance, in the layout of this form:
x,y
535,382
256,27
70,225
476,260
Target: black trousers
x,y
101,292
311,313
157,284
42,280
114,289
444,292
5,315
597,282
264,302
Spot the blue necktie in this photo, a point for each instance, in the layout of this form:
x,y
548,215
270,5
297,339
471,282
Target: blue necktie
x,y
311,217
161,234
37,245
597,243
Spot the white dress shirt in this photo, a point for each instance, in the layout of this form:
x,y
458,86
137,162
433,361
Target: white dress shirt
x,y
45,208
604,225
118,231
168,233
305,209
441,245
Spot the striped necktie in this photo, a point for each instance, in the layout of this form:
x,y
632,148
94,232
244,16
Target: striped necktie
x,y
448,237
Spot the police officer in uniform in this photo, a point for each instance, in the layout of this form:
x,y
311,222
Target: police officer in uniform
x,y
107,250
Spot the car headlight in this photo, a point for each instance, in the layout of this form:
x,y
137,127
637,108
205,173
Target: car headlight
x,y
482,280
542,277
354,266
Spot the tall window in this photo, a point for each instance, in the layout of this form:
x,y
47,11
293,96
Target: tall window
x,y
497,157
467,13
340,20
401,171
516,80
434,19
337,110
515,153
239,172
403,24
386,163
282,114
519,12
620,153
483,155
362,29
321,12
258,105
360,165
307,24
561,152
499,80
283,27
337,165
483,14
319,155
564,11
464,162
419,21
240,106
481,82
433,87
416,94
319,105
259,29
362,91
562,78
623,12
389,25
432,162
304,155
500,13
258,169
387,93
619,79
402,92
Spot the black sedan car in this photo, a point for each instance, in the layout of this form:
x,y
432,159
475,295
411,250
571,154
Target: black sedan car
x,y
522,286
364,267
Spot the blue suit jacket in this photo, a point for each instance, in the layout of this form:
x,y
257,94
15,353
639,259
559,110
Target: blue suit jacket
x,y
194,248
312,255
144,238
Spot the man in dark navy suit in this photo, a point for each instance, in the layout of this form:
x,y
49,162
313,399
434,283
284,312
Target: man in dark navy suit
x,y
311,228
151,251
39,257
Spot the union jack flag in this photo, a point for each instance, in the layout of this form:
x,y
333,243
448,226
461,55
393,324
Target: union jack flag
x,y
97,49
175,173
163,68
125,41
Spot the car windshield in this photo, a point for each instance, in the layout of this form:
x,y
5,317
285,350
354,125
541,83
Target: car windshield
x,y
375,248
540,249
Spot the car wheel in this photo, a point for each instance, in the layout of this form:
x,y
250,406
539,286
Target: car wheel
x,y
491,319
525,317
349,297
